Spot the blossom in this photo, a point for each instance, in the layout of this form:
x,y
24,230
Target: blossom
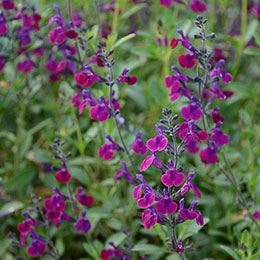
x,y
197,6
83,224
159,142
166,205
124,172
192,111
7,4
106,151
187,60
138,145
77,20
208,155
256,215
66,63
216,117
218,137
86,78
36,248
151,159
149,218
189,185
83,199
226,77
189,214
25,66
108,253
127,79
172,176
3,26
63,175
57,35
166,3
100,112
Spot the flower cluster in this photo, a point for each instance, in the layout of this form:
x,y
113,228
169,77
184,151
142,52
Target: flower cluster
x,y
161,205
200,100
55,211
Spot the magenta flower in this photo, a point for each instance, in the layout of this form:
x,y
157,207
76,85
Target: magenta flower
x,y
83,224
208,155
180,248
51,65
149,218
124,172
66,64
3,26
63,176
26,66
86,78
256,215
166,205
36,248
189,185
192,111
166,3
159,142
106,254
57,35
139,146
216,117
197,6
226,77
149,196
7,4
189,214
77,20
127,79
218,137
151,159
100,112
187,60
184,39
172,176
106,151
83,199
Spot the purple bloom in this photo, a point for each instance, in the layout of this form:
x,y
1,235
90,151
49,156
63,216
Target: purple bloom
x,y
106,151
127,79
36,248
180,248
187,60
83,199
226,77
139,146
158,143
149,218
256,215
151,159
3,26
83,224
149,196
166,205
66,64
208,155
189,185
218,137
189,214
192,111
125,172
77,20
197,6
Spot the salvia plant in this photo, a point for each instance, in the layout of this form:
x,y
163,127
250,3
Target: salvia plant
x,y
168,199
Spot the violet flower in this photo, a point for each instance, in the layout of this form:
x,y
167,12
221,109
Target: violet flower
x,y
83,224
159,142
124,172
138,145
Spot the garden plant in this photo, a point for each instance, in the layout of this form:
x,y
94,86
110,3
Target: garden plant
x,y
129,129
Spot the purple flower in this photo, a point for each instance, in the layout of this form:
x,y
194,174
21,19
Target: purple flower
x,y
100,112
127,79
106,151
149,196
218,137
66,63
149,218
83,199
77,20
180,248
187,60
197,6
83,224
63,176
127,175
192,111
151,159
184,39
256,215
226,77
189,214
3,26
189,185
166,3
159,142
36,248
139,146
166,205
86,78
208,155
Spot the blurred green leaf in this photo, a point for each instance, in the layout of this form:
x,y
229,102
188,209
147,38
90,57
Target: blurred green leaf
x,y
230,252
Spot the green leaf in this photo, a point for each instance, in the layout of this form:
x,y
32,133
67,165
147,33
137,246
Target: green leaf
x,y
20,179
245,238
11,207
123,40
148,248
147,51
230,251
250,30
253,51
90,250
255,256
117,238
132,11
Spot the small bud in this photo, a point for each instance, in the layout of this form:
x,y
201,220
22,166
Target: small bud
x,y
196,36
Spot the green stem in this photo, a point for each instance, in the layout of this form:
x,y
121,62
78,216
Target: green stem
x,y
81,147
